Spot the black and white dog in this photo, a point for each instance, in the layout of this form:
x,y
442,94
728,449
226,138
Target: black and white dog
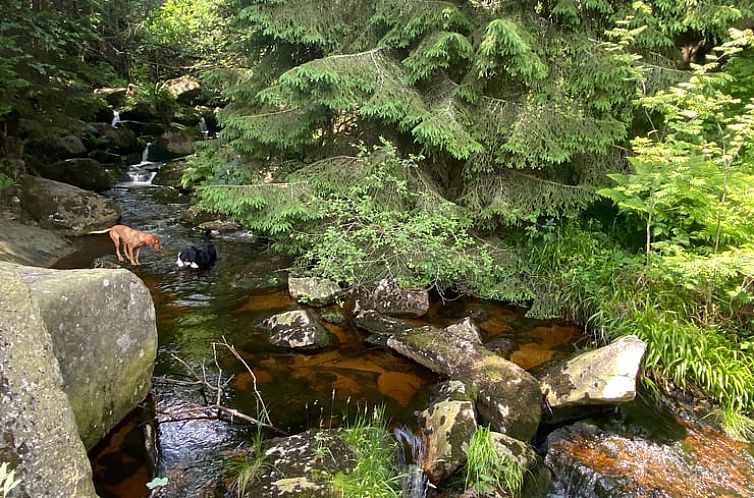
x,y
198,257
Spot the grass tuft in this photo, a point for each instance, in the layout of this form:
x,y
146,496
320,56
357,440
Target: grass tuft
x,y
488,470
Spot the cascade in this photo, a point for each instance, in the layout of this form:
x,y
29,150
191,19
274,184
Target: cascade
x,y
143,173
116,119
415,482
203,128
145,153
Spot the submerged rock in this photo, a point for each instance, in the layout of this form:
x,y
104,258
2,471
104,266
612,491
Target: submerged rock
x,y
298,330
593,463
313,291
38,427
606,375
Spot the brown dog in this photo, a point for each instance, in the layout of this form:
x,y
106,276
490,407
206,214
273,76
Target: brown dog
x,y
133,240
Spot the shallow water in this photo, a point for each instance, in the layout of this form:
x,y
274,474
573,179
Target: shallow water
x,y
198,308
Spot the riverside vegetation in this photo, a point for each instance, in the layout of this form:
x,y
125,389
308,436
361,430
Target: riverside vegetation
x,y
590,160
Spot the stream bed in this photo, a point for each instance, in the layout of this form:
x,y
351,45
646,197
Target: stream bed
x,y
197,309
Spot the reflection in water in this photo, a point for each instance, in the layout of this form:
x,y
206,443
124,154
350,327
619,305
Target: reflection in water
x,y
230,300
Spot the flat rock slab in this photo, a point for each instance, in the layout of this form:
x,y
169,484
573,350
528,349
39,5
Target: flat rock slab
x,y
31,245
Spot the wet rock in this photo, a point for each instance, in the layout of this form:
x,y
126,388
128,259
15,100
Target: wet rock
x,y
171,173
313,291
119,140
193,446
31,245
536,476
449,423
502,347
85,173
174,143
104,335
62,206
140,111
595,463
509,399
39,435
297,464
606,375
298,330
381,327
185,88
390,299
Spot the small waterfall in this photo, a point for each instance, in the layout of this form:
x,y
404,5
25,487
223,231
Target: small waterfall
x,y
142,174
116,119
415,484
203,128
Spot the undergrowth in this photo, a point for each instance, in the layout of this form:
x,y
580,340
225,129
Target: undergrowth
x,y
377,472
487,470
690,309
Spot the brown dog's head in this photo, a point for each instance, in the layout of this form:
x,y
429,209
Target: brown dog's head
x,y
154,241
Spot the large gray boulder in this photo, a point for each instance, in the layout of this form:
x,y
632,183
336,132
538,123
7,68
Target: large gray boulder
x,y
104,336
174,143
82,172
607,375
62,206
39,434
31,245
185,88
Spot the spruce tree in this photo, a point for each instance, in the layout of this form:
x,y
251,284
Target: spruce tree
x,y
518,109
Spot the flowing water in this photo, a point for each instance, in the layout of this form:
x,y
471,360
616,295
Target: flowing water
x,y
248,284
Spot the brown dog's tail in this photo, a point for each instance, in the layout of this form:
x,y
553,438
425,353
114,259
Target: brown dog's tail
x,y
101,231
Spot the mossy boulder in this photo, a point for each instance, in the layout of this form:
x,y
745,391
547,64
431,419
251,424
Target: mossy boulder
x,y
449,422
85,173
298,330
170,173
104,335
389,298
38,427
313,291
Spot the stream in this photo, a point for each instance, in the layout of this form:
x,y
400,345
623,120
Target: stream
x,y
195,309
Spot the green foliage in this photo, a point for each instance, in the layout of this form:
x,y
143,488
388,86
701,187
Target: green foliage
x,y
691,184
378,223
8,480
377,471
689,309
248,469
195,26
488,470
